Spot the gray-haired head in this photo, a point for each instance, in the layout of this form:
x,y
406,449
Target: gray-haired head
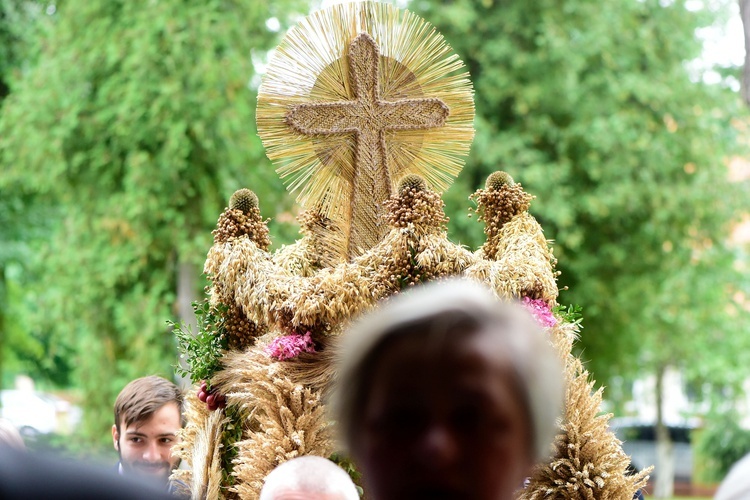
x,y
308,477
439,311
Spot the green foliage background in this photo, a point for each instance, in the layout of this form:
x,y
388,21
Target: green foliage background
x,y
126,125
592,107
136,123
720,445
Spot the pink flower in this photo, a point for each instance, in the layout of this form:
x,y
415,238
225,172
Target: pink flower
x,y
290,346
541,311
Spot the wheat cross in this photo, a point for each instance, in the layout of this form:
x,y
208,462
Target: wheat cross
x,y
368,117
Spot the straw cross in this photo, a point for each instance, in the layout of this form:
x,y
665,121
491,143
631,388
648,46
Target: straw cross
x,y
368,117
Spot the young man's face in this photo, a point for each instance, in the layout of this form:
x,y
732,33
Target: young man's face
x,y
145,447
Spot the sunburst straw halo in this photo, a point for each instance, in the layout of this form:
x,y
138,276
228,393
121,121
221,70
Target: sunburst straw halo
x,y
411,112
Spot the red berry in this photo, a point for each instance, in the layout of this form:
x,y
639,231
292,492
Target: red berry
x,y
202,396
211,400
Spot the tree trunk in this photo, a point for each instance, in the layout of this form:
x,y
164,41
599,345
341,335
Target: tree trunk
x,y
745,14
664,487
186,295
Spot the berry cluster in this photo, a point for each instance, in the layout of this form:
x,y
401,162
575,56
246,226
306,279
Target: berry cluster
x,y
213,399
241,330
234,223
500,201
415,204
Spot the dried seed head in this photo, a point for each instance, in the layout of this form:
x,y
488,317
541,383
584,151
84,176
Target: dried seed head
x,y
496,206
234,223
243,199
497,179
411,181
241,331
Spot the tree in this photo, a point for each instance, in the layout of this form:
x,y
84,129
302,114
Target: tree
x,y
745,14
137,123
22,223
8,61
591,106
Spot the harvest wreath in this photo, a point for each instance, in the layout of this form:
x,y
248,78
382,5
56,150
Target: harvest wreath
x,y
367,114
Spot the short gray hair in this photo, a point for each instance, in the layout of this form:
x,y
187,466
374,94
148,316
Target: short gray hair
x,y
434,307
309,474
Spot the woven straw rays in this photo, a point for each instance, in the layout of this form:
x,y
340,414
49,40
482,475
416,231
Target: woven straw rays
x,y
358,96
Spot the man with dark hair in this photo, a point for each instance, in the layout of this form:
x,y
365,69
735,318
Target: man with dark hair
x,y
148,417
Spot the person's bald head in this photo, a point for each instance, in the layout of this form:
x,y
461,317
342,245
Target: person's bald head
x,y
308,478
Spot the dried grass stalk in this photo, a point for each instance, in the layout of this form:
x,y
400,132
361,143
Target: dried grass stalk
x,y
207,469
588,461
197,416
285,419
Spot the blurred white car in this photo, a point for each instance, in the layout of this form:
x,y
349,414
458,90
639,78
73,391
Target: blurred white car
x,y
33,412
639,442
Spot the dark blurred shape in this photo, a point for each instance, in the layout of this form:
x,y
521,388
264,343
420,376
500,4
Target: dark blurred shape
x,y
447,393
28,476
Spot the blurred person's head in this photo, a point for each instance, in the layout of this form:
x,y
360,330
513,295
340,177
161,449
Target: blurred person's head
x,y
40,476
148,416
308,478
9,436
446,393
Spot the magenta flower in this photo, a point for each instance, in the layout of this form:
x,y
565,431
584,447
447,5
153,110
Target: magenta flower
x,y
290,346
541,311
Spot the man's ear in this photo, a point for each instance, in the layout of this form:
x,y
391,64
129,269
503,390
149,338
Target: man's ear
x,y
116,437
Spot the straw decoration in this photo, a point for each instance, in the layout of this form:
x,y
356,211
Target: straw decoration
x,y
323,245
321,70
285,419
308,297
199,461
206,475
588,462
367,114
497,204
415,250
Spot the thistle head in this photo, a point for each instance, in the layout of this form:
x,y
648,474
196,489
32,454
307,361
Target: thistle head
x,y
497,179
411,181
244,200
